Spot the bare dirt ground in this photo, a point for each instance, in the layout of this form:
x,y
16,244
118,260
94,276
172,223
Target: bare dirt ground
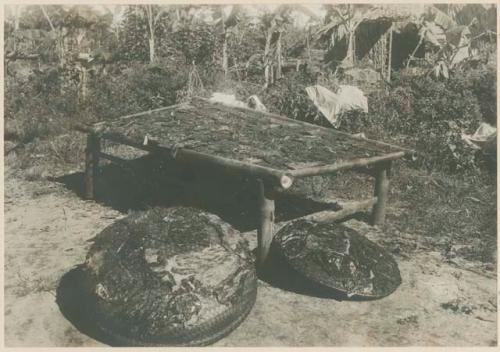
x,y
441,302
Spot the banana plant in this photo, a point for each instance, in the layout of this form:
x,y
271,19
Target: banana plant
x,y
153,14
228,18
440,28
274,24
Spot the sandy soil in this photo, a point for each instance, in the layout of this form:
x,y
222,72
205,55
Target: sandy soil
x,y
47,232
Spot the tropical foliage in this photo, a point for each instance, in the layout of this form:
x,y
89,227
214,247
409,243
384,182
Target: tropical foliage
x,y
69,63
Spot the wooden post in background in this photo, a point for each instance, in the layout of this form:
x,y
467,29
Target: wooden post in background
x,y
91,164
266,223
389,65
381,192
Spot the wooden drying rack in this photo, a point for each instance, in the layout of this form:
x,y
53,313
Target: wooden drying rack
x,y
269,179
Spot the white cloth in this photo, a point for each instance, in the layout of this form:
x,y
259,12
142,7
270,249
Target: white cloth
x,y
227,99
332,104
484,138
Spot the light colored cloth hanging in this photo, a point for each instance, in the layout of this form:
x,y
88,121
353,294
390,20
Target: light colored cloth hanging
x,y
485,138
332,104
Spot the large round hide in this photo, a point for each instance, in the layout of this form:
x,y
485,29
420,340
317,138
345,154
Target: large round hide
x,y
338,258
170,277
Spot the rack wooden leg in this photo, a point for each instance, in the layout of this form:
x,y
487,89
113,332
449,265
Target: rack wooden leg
x,y
266,226
381,192
91,164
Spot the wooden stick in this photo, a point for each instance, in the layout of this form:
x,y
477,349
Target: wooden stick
x,y
142,113
129,142
266,225
91,165
83,128
389,66
348,209
381,192
412,55
94,128
327,216
114,159
151,147
20,56
326,169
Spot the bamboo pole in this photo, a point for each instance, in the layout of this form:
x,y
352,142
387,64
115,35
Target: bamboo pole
x,y
117,139
389,65
148,112
279,56
267,50
112,158
277,177
94,128
381,192
349,209
309,45
327,216
412,55
356,163
266,225
91,165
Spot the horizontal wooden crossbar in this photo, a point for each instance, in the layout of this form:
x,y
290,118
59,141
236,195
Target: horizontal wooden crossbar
x,y
348,209
284,180
280,178
112,158
356,163
328,216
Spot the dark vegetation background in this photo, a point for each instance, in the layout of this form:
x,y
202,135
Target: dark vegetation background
x,y
447,192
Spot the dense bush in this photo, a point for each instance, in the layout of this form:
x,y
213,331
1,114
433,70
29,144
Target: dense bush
x,y
420,112
482,83
432,115
133,43
289,98
197,42
39,106
139,87
45,104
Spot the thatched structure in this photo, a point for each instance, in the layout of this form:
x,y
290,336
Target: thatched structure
x,y
391,36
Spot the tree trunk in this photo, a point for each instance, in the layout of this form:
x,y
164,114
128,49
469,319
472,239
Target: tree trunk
x,y
151,48
309,46
16,26
225,67
149,13
224,56
62,56
83,84
389,54
59,37
267,49
350,49
16,17
279,57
